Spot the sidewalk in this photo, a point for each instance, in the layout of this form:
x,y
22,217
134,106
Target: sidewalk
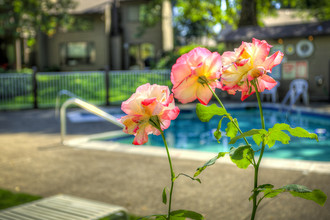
x,y
34,162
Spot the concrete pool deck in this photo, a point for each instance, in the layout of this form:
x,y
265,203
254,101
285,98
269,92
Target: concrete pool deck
x,y
34,162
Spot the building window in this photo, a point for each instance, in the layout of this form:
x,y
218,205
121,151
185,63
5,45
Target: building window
x,y
77,53
142,56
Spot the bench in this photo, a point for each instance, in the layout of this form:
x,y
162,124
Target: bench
x,y
64,207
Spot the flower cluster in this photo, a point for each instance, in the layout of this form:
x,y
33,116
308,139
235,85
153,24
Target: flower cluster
x,y
149,106
235,70
194,76
247,63
190,73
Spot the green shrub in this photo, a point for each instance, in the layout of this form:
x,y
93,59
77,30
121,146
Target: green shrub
x,y
169,59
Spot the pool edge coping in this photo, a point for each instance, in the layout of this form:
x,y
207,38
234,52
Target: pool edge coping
x,y
287,164
266,105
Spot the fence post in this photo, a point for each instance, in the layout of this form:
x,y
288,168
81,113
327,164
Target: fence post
x,y
35,87
107,85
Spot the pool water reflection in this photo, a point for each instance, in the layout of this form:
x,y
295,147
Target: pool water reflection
x,y
187,132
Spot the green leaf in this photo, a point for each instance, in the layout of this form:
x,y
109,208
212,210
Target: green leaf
x,y
277,136
299,191
296,188
177,218
209,163
192,178
157,217
303,192
300,132
261,188
164,196
296,132
270,193
186,214
205,113
247,134
258,138
231,130
241,156
217,135
265,186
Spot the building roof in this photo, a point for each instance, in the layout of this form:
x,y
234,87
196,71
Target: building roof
x,y
275,32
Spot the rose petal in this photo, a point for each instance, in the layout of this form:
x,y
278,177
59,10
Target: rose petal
x,y
186,91
204,94
141,137
211,67
273,60
179,72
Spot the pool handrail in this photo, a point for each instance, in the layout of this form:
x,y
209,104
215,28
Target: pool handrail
x,y
88,107
58,99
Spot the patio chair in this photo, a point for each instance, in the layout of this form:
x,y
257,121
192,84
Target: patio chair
x,y
272,94
64,207
298,87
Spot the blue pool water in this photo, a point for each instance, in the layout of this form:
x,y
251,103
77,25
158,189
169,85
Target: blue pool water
x,y
187,132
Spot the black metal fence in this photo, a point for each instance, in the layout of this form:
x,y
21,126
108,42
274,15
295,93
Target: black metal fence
x,y
40,89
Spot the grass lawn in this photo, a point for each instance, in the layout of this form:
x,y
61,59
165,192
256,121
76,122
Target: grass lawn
x,y
9,199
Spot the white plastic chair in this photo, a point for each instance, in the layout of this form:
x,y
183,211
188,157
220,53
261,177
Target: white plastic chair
x,y
298,87
272,93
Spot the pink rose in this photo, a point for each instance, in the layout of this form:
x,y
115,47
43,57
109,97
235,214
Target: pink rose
x,y
246,63
148,102
190,73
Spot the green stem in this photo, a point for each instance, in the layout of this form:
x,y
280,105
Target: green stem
x,y
215,95
255,206
172,173
230,118
256,168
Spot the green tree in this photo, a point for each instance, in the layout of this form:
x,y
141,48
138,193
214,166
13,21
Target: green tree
x,y
319,9
198,17
25,18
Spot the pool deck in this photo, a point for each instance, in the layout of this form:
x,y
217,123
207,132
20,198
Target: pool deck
x,y
33,161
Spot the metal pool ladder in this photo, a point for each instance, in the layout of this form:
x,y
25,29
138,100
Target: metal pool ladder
x,y
88,107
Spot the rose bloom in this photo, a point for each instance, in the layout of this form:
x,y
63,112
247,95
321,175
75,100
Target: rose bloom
x,y
190,73
246,63
149,101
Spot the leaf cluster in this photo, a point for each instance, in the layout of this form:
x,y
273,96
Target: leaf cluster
x,y
296,190
276,133
26,17
243,156
149,15
196,18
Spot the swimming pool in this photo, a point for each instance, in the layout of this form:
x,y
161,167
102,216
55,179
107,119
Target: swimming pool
x,y
187,132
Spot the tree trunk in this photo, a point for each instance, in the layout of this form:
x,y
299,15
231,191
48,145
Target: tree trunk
x,y
248,15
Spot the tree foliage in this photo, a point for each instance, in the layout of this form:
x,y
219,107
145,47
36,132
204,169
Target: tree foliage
x,y
197,18
319,9
20,18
